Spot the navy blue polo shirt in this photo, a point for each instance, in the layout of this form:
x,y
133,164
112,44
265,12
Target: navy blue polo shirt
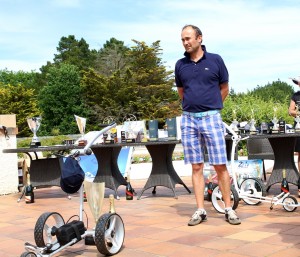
x,y
201,82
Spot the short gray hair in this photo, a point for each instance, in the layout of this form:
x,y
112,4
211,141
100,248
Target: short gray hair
x,y
195,28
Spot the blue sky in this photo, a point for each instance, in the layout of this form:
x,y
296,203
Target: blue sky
x,y
258,40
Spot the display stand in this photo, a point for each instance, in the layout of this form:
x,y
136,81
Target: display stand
x,y
8,162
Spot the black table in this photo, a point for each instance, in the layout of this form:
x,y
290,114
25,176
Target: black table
x,y
163,172
46,172
283,147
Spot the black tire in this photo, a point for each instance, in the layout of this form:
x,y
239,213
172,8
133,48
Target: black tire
x,y
109,234
217,199
28,254
253,187
44,230
89,240
288,203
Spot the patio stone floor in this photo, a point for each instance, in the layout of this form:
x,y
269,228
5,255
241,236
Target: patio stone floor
x,y
156,225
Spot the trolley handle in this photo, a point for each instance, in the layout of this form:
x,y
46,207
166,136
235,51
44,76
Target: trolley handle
x,y
86,149
235,136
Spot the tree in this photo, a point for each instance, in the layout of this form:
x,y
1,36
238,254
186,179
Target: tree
x,y
19,100
142,87
27,79
60,99
279,92
112,57
153,83
107,96
75,52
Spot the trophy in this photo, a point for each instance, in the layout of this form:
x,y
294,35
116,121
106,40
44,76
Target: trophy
x,y
81,122
235,123
34,125
264,128
275,129
252,122
110,136
95,195
297,119
131,128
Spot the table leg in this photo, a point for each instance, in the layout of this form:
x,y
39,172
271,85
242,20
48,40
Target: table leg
x,y
283,148
108,170
163,172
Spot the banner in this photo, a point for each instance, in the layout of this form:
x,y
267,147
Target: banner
x,y
243,169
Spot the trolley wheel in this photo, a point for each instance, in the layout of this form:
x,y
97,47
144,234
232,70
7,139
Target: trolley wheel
x,y
89,240
45,228
253,187
218,202
289,203
28,254
109,234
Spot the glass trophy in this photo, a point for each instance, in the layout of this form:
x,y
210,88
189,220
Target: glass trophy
x,y
235,123
81,123
252,123
252,129
275,129
34,125
94,192
297,120
95,195
131,128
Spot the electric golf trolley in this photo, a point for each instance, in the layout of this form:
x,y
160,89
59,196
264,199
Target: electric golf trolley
x,y
52,234
251,190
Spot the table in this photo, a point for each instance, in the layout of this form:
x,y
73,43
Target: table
x,y
283,147
162,173
43,171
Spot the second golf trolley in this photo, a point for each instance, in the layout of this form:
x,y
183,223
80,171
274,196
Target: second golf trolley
x,y
52,234
251,190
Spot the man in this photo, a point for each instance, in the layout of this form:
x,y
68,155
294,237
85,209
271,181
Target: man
x,y
294,111
202,84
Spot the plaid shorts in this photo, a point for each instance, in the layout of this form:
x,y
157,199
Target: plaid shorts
x,y
197,132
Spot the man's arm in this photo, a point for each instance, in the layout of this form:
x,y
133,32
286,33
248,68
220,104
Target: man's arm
x,y
180,92
292,109
224,88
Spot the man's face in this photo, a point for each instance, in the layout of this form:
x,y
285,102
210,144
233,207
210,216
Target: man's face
x,y
189,40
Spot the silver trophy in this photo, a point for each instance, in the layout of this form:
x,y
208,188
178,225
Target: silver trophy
x,y
297,119
34,125
81,122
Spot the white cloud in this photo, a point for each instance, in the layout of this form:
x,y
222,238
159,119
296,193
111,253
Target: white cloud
x,y
259,40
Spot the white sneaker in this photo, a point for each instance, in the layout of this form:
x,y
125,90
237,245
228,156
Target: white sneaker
x,y
232,218
197,218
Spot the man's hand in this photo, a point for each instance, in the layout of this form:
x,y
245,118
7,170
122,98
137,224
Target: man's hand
x,y
297,82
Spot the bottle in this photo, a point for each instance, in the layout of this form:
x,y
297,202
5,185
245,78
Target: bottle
x,y
284,183
84,196
129,190
29,195
112,204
